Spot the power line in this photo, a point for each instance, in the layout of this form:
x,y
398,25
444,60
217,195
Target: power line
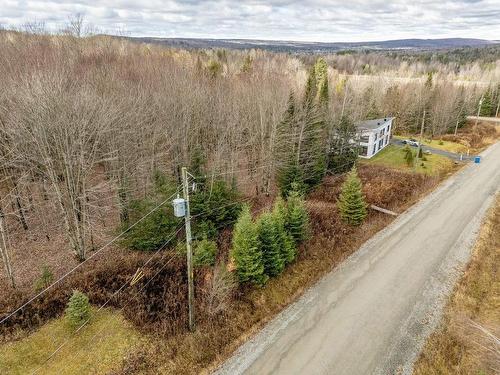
x,y
86,260
113,295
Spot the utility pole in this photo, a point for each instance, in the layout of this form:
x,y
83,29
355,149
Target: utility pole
x,y
185,188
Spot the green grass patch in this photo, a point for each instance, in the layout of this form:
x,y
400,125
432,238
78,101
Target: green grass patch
x,y
393,156
440,145
98,348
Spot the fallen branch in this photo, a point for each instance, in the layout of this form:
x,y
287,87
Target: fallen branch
x,y
380,209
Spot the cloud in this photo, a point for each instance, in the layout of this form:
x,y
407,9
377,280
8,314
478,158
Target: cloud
x,y
306,20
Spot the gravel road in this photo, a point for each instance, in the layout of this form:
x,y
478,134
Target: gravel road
x,y
372,314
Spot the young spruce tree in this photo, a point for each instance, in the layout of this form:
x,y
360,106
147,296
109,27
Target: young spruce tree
x,y
286,242
297,220
270,245
246,251
352,205
78,310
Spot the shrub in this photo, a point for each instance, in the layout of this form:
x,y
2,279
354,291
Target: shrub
x,y
45,279
297,218
205,252
221,290
270,245
352,205
441,142
78,309
246,252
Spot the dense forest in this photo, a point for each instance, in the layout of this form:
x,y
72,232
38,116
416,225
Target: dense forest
x,y
91,124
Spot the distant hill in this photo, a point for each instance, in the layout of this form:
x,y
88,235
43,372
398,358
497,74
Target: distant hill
x,y
290,46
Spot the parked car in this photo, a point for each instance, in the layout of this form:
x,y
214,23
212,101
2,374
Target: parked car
x,y
411,142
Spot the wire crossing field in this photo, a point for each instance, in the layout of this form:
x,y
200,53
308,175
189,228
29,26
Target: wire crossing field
x,y
97,348
393,156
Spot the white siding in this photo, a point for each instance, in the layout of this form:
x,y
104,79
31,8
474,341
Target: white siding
x,y
375,140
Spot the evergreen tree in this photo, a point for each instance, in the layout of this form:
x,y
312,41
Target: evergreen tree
x,y
78,309
213,202
286,149
408,156
311,145
297,219
291,175
321,74
246,252
487,105
301,135
152,232
352,205
343,152
285,239
205,252
460,111
270,245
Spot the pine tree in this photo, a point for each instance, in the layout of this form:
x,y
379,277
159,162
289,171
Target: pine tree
x,y
321,74
286,149
246,252
352,205
270,245
487,105
285,239
409,158
297,219
460,111
343,152
78,309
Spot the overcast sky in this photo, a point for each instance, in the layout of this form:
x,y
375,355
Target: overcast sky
x,y
304,20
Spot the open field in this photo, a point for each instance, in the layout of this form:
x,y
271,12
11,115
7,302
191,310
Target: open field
x,y
97,348
467,341
393,156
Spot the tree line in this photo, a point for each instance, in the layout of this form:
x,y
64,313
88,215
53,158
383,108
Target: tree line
x,y
99,126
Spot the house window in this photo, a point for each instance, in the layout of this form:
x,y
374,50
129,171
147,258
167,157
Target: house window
x,y
380,143
364,151
376,134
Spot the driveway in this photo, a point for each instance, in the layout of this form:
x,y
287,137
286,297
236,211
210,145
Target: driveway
x,y
372,314
437,151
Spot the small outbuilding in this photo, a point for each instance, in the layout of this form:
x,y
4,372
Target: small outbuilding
x,y
374,135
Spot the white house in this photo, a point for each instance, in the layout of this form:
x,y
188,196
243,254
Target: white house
x,y
374,135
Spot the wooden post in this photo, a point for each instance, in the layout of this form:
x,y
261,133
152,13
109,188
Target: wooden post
x,y
189,251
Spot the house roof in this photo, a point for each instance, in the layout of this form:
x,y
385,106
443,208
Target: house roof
x,y
373,124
